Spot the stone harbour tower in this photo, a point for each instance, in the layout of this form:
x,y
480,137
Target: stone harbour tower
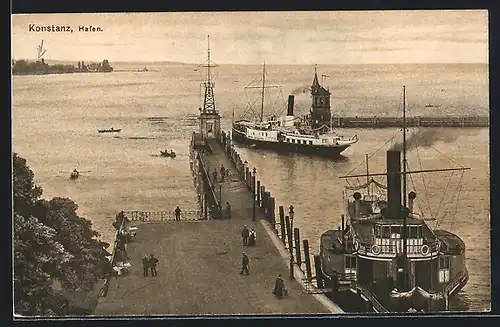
x,y
320,113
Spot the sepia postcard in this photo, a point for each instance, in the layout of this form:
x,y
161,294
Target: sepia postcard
x,y
250,163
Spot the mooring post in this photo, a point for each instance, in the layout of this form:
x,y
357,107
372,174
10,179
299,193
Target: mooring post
x,y
258,193
253,193
317,267
289,235
262,195
272,216
307,259
296,237
282,223
205,209
290,245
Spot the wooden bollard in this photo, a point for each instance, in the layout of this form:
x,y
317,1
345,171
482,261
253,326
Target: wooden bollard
x,y
317,267
257,193
272,211
307,259
289,235
265,205
264,197
205,206
296,237
282,223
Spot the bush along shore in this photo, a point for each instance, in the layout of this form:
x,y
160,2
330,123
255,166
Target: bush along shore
x,y
59,261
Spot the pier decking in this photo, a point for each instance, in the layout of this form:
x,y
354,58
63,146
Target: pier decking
x,y
200,261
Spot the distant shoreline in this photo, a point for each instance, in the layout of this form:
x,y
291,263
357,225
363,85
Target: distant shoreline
x,y
145,63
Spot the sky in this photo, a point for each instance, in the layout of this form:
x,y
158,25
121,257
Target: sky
x,y
312,37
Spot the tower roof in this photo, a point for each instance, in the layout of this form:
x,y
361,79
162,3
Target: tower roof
x,y
317,88
315,84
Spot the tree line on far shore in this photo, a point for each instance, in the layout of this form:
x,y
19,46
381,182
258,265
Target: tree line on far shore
x,y
55,252
41,67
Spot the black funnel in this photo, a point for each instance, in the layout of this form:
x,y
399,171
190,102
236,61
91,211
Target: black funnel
x,y
393,184
290,105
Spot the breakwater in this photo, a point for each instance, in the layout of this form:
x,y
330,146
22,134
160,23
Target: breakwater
x,y
429,121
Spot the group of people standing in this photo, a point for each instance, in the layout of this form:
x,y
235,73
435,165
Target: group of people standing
x,y
223,173
149,263
249,236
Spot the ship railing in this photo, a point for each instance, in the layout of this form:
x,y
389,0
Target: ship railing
x,y
159,216
422,248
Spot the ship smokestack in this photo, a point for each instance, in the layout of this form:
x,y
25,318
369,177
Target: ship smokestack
x,y
411,197
393,184
291,99
357,204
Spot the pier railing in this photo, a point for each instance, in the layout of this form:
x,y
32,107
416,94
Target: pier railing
x,y
159,216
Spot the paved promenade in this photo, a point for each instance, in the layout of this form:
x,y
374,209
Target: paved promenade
x,y
200,261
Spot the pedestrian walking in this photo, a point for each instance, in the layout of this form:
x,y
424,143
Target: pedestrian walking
x,y
215,175
228,210
279,287
153,261
245,264
177,212
222,172
245,233
145,265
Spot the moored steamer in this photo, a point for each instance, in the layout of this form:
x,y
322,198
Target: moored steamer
x,y
289,134
385,257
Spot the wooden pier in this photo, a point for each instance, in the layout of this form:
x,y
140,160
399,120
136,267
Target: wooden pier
x,y
418,121
200,256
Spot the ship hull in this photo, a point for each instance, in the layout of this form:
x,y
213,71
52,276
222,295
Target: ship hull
x,y
283,147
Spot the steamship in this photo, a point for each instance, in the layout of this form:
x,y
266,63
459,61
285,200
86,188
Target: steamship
x,y
288,133
385,257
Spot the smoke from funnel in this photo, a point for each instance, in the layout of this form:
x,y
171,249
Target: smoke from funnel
x,y
426,138
299,90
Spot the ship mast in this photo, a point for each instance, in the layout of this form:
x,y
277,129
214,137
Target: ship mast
x,y
263,91
404,173
263,87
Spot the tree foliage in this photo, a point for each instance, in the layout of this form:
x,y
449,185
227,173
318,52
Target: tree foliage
x,y
51,244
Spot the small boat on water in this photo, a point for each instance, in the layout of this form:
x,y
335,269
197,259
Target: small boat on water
x,y
75,174
111,130
166,153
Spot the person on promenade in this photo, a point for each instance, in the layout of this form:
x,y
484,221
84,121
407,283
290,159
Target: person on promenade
x,y
215,175
245,264
245,233
279,287
153,261
228,210
222,173
177,212
252,239
145,265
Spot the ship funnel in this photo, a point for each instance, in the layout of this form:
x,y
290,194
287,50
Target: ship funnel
x,y
393,184
357,204
291,99
411,197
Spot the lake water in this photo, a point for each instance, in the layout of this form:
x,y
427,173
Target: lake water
x,y
56,118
